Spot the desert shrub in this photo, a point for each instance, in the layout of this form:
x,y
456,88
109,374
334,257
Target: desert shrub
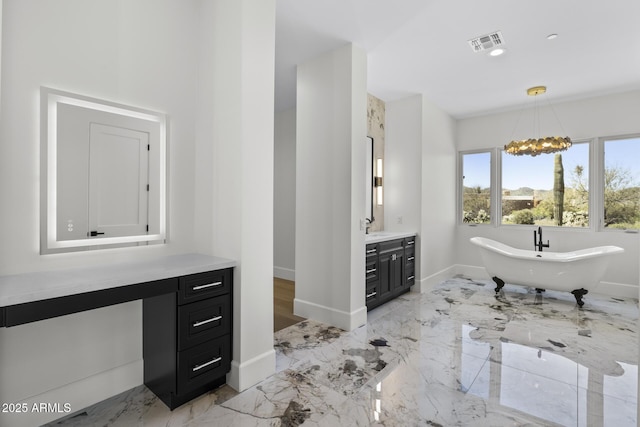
x,y
575,219
524,216
481,217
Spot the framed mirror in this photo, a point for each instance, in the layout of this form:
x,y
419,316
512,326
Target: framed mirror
x,y
369,179
103,174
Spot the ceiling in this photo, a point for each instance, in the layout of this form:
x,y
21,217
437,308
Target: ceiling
x,y
421,47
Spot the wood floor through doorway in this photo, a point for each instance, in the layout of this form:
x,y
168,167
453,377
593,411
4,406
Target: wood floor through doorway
x,y
283,295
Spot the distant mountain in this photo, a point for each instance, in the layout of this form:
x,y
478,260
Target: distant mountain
x,y
522,191
527,191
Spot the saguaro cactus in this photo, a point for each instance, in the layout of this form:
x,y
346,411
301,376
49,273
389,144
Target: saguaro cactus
x,y
558,189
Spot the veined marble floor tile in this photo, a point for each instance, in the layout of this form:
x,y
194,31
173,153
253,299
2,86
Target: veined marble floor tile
x,y
289,398
459,355
411,396
298,341
140,407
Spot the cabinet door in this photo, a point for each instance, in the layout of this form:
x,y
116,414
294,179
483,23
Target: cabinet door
x,y
397,275
391,271
386,266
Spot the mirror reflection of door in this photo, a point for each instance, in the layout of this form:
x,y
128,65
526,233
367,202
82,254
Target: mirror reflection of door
x,y
118,181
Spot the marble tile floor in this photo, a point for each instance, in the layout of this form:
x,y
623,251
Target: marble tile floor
x,y
459,355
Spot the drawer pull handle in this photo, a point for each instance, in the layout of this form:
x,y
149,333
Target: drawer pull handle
x,y
411,258
204,365
411,242
371,251
372,294
208,285
371,271
411,277
204,322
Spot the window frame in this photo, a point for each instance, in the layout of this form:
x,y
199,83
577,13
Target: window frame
x,y
596,164
599,163
590,142
492,186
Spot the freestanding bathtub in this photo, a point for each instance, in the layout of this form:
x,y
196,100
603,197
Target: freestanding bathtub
x,y
576,271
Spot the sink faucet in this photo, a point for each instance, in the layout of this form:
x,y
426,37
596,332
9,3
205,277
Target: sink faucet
x,y
538,244
367,225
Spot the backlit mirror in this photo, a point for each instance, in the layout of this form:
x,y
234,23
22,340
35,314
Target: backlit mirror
x,y
103,174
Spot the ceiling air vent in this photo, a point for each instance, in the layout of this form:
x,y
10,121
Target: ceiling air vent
x,y
486,42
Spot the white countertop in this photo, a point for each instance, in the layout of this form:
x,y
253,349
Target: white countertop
x,y
41,285
383,236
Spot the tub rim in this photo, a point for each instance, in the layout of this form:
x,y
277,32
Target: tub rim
x,y
572,256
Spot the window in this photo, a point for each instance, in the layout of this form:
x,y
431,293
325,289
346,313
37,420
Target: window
x,y
476,187
594,184
547,190
620,182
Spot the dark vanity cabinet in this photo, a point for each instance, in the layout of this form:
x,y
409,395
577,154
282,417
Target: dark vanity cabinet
x,y
372,275
409,275
390,270
187,337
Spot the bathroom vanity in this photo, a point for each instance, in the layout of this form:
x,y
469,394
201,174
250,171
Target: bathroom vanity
x,y
390,266
187,314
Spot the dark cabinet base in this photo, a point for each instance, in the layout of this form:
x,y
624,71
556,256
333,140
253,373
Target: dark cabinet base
x,y
390,270
173,400
187,338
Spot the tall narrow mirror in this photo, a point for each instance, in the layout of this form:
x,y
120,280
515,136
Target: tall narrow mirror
x,y
103,174
369,178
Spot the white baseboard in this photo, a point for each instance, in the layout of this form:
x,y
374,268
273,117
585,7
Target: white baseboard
x,y
472,271
77,395
426,284
251,372
621,290
284,273
331,316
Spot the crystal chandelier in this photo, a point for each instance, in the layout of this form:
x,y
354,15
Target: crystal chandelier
x,y
535,146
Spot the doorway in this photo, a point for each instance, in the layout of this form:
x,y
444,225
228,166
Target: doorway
x,y
283,295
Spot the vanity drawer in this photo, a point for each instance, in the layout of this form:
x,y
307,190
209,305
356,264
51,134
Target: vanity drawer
x,y
391,245
372,267
409,275
204,363
371,250
203,320
410,255
372,293
196,287
410,242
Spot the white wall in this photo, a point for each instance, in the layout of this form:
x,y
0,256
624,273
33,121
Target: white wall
x,y
419,183
602,116
94,49
284,173
234,170
331,128
437,242
114,51
403,167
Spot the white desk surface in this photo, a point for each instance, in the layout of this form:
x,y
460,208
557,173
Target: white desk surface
x,y
42,285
